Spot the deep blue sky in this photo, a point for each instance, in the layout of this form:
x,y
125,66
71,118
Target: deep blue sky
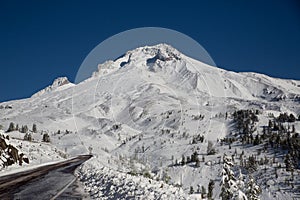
x,y
41,40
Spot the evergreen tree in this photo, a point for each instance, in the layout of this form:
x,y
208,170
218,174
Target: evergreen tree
x,y
34,129
90,150
230,189
183,160
46,137
293,128
289,166
210,149
240,181
28,137
211,186
256,140
270,125
228,179
251,164
197,162
24,129
194,156
292,118
191,190
253,190
11,127
188,159
165,177
203,192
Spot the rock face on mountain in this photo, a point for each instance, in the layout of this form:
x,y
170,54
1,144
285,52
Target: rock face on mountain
x,y
58,83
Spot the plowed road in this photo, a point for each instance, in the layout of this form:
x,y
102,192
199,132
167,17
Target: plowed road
x,y
46,182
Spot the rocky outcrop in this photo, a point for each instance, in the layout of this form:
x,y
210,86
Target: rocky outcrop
x,y
9,154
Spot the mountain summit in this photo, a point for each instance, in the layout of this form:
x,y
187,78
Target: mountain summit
x,y
175,67
57,84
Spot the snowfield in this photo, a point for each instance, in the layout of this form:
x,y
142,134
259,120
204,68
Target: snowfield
x,y
142,113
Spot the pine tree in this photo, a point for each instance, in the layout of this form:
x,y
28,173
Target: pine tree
x,y
197,162
210,149
293,128
194,156
228,179
270,124
191,190
28,137
165,177
34,129
211,186
188,159
256,140
46,137
90,150
230,189
292,118
24,129
253,190
183,160
11,127
289,162
240,181
203,192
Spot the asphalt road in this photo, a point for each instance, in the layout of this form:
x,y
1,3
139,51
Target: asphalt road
x,y
46,182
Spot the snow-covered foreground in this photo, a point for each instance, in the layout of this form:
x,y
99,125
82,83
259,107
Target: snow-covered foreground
x,y
142,113
105,183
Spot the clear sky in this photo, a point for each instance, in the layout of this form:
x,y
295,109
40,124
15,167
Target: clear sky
x,y
41,40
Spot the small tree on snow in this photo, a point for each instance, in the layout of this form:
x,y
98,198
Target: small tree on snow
x,y
253,190
197,162
191,190
90,150
240,181
34,129
11,127
203,192
210,149
230,189
210,189
24,129
183,162
28,137
239,195
46,137
289,162
228,179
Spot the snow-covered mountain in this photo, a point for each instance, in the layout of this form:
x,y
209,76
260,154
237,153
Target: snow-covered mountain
x,y
140,113
58,84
